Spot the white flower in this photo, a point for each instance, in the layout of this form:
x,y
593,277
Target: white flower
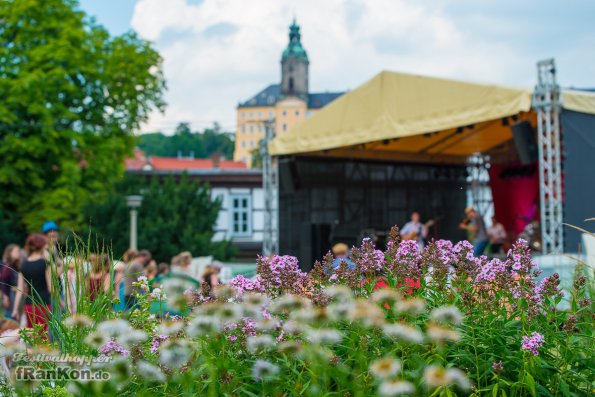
x,y
142,279
133,337
385,368
255,299
293,328
368,313
441,334
412,306
290,347
149,372
289,303
447,314
340,310
113,328
229,312
174,353
267,325
390,388
258,343
158,294
175,287
264,370
403,332
339,293
96,339
77,321
170,327
385,296
324,336
203,325
459,378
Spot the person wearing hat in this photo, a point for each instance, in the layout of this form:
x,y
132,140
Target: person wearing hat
x,y
341,252
476,228
51,231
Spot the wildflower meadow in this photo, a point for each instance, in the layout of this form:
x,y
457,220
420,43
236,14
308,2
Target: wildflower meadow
x,y
404,321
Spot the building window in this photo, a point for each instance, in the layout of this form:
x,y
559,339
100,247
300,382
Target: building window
x,y
251,128
259,115
243,115
243,128
243,144
251,114
297,112
291,84
271,115
251,144
241,215
284,113
284,127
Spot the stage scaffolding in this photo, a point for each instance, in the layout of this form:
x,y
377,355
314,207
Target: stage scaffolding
x,y
270,181
546,102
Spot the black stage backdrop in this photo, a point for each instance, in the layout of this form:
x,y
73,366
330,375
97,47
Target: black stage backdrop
x,y
578,137
323,201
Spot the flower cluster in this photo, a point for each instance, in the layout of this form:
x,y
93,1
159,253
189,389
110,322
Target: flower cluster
x,y
240,285
112,347
532,343
369,261
280,274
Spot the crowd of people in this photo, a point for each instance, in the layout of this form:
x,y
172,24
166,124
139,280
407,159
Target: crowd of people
x,y
38,279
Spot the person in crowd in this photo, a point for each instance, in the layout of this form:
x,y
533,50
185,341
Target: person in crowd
x,y
35,283
133,270
52,232
210,276
415,230
151,270
99,278
341,253
497,235
475,227
73,277
181,264
118,279
9,274
163,269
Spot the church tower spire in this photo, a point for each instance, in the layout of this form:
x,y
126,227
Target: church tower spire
x,y
294,65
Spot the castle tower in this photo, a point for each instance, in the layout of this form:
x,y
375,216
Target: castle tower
x,y
294,66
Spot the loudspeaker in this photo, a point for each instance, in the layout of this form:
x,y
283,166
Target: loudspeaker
x,y
289,180
524,139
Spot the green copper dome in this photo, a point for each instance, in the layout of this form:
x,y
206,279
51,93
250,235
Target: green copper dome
x,y
294,48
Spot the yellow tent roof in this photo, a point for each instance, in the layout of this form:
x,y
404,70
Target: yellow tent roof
x,y
393,105
579,101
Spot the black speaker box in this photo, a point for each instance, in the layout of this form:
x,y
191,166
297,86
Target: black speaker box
x,y
289,179
524,140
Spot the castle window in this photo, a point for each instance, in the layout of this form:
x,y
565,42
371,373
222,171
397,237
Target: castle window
x,y
284,127
297,112
284,113
291,84
244,128
251,128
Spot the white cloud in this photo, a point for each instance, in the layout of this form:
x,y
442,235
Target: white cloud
x,y
220,52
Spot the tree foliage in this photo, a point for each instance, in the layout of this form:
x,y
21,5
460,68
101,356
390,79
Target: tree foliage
x,y
71,98
175,215
186,142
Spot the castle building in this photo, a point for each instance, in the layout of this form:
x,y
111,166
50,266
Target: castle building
x,y
288,103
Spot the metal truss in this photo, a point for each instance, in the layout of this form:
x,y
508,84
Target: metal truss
x,y
480,193
270,182
546,102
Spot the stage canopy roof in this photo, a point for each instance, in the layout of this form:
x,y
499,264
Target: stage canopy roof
x,y
397,116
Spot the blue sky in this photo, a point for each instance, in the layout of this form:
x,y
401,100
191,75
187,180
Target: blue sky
x,y
220,52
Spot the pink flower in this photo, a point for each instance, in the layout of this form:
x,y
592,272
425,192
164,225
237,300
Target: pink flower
x,y
532,343
112,347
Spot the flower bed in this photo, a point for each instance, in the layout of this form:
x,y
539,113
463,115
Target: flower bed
x,y
402,322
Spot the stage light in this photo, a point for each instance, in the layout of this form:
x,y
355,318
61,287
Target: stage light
x,y
504,121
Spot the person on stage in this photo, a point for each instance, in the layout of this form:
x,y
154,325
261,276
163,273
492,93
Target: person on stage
x,y
497,235
415,230
476,228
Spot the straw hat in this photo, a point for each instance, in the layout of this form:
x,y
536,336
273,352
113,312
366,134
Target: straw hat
x,y
340,249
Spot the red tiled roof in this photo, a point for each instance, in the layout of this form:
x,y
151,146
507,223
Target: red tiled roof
x,y
173,163
139,161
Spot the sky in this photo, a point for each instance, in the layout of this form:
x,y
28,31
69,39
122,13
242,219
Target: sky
x,y
218,53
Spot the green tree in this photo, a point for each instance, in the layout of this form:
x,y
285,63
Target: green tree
x,y
71,98
202,144
175,216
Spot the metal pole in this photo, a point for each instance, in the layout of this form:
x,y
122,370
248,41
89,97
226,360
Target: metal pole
x,y
133,229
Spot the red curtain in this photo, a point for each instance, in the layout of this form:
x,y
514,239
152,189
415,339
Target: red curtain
x,y
515,191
